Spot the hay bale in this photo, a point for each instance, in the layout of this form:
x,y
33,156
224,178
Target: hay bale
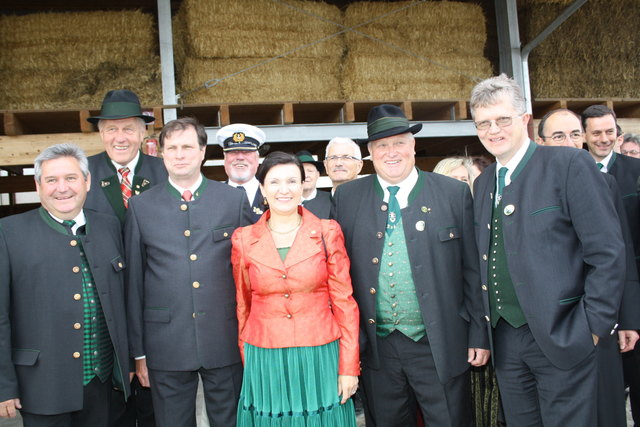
x,y
285,79
70,60
223,29
580,58
368,77
445,44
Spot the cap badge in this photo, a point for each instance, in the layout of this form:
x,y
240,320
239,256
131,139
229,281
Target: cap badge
x,y
238,136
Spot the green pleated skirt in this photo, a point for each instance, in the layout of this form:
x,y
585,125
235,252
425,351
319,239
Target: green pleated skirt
x,y
295,386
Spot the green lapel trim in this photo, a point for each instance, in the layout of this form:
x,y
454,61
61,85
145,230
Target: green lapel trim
x,y
202,187
525,160
611,161
377,187
140,183
111,188
52,222
416,188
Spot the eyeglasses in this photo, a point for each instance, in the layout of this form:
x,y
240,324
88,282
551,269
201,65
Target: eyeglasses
x,y
630,152
560,137
343,158
501,122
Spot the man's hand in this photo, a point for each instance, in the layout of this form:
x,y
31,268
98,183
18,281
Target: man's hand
x,y
478,356
142,372
627,340
8,408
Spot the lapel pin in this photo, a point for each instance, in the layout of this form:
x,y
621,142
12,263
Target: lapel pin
x,y
104,184
420,225
145,182
509,209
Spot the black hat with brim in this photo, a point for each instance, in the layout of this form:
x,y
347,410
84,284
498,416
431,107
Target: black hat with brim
x,y
388,120
120,104
306,157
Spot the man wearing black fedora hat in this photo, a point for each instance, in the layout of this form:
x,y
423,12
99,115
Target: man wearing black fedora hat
x,y
318,202
120,172
415,274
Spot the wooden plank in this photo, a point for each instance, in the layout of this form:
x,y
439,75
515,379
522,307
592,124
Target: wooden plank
x,y
224,117
12,125
17,184
85,126
407,107
460,110
349,112
287,112
159,118
23,149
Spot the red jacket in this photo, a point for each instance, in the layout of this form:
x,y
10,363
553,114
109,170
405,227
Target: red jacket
x,y
302,301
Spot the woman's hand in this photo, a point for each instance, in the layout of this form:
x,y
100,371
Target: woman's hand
x,y
347,386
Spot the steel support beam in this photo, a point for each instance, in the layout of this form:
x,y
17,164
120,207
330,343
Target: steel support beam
x,y
165,34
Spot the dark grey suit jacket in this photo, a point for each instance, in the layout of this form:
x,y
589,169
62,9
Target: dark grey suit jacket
x,y
320,205
564,249
38,308
105,194
181,293
438,225
626,171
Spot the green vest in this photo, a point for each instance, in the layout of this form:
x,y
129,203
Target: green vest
x,y
502,296
396,303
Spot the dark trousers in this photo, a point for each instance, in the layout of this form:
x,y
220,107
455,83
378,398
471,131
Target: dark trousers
x,y
611,399
534,392
94,413
136,411
174,395
631,363
407,380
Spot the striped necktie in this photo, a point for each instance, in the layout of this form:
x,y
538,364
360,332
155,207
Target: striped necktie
x,y
125,186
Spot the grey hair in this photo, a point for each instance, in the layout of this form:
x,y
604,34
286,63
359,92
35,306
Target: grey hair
x,y
341,140
631,137
61,150
140,121
492,91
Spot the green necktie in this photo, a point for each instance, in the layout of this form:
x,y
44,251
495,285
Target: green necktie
x,y
600,165
394,209
68,224
502,173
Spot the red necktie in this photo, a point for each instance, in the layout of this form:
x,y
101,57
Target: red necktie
x,y
187,196
125,186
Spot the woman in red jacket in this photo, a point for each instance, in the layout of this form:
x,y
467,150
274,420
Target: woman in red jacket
x,y
298,322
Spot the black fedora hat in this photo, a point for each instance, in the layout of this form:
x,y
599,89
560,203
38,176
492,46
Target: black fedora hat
x,y
306,157
120,104
388,120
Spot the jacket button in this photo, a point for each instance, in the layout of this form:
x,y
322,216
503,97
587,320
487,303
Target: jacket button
x,y
183,207
196,285
77,326
379,234
383,208
371,321
73,243
484,287
487,318
76,269
284,276
484,257
77,297
451,235
76,355
372,291
193,257
225,234
120,265
187,233
286,295
375,260
288,316
193,315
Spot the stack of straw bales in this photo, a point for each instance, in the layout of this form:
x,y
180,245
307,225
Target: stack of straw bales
x,y
594,54
438,54
214,39
70,60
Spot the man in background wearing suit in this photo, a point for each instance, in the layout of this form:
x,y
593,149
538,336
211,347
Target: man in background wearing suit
x,y
550,249
63,332
181,294
601,136
122,170
342,161
318,202
563,127
240,144
414,268
119,173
